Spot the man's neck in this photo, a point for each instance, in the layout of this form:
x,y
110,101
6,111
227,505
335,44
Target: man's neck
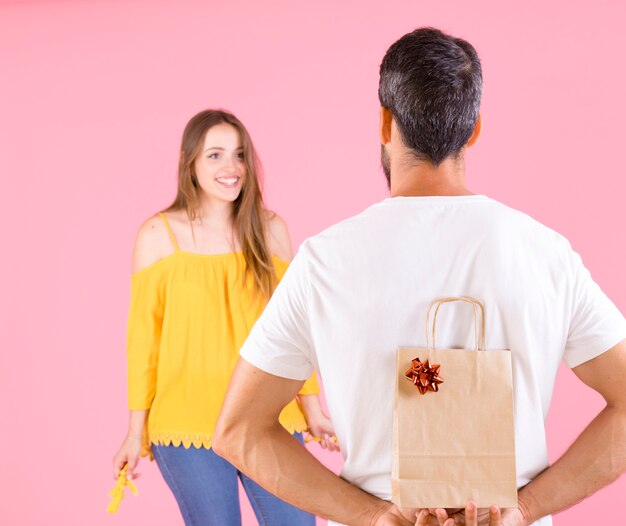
x,y
425,179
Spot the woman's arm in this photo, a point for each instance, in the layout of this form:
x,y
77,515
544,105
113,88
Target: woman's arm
x,y
152,244
279,242
130,450
320,426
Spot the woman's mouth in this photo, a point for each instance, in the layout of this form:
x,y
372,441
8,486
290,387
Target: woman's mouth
x,y
228,182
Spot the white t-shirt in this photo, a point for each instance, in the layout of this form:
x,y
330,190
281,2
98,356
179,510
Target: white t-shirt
x,y
361,288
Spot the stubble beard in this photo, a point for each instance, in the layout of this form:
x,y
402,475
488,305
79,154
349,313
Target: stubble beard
x,y
385,164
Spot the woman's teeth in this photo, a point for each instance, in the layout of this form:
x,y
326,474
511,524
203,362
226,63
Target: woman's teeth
x,y
227,181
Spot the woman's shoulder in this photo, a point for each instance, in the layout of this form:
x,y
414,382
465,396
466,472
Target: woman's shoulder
x,y
279,241
152,243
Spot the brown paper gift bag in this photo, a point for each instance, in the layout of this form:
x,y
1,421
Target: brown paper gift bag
x,y
456,441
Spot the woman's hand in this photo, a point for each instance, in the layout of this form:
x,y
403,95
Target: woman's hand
x,y
130,451
128,454
319,425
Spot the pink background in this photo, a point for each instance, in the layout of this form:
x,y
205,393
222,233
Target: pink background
x,y
94,96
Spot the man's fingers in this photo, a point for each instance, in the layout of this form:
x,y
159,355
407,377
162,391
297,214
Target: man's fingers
x,y
494,516
425,517
442,516
422,518
471,514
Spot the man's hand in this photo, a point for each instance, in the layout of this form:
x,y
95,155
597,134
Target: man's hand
x,y
394,516
473,516
470,516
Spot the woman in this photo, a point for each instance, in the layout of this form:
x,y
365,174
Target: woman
x,y
202,272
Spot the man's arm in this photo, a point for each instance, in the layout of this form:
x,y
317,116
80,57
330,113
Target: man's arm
x,y
249,436
598,456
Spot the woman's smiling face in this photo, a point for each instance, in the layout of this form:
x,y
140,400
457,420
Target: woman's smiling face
x,y
219,168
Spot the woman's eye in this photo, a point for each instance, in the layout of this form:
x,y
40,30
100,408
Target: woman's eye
x,y
213,156
240,156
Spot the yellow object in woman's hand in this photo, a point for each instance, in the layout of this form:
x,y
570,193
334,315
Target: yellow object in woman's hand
x,y
310,438
117,493
327,441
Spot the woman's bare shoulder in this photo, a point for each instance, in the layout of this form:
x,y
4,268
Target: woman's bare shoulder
x,y
152,243
278,236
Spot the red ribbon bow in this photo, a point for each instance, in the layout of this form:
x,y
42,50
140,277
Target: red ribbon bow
x,y
424,376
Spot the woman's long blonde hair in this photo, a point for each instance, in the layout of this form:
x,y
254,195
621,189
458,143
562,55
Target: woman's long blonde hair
x,y
248,209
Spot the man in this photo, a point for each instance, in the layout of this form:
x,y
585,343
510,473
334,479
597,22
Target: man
x,y
357,291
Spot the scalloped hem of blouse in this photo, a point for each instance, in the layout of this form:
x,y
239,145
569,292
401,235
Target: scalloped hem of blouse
x,y
203,441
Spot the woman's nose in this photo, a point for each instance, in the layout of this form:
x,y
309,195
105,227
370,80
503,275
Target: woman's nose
x,y
230,164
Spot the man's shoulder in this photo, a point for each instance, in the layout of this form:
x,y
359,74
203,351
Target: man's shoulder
x,y
342,233
492,220
519,223
495,213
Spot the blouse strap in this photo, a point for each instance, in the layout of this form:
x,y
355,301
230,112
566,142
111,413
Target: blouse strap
x,y
169,229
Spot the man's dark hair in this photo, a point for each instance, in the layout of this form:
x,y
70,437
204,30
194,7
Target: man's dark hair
x,y
432,83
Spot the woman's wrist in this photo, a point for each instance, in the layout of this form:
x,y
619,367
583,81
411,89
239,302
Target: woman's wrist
x,y
311,408
136,424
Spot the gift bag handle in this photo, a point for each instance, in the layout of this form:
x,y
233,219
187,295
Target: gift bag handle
x,y
479,337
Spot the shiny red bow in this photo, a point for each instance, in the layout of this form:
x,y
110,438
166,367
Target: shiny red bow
x,y
424,376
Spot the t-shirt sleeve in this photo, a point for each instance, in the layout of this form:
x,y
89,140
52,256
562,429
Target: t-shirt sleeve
x,y
280,342
145,321
596,324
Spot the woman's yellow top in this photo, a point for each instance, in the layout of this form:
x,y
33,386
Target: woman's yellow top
x,y
189,316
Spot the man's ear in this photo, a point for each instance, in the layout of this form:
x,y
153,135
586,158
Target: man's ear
x,y
385,125
476,133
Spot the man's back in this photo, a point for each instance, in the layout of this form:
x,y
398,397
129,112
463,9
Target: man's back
x,y
362,288
357,291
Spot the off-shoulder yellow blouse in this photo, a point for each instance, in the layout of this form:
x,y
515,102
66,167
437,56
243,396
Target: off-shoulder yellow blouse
x,y
189,315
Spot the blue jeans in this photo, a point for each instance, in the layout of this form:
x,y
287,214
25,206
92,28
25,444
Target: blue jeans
x,y
205,487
